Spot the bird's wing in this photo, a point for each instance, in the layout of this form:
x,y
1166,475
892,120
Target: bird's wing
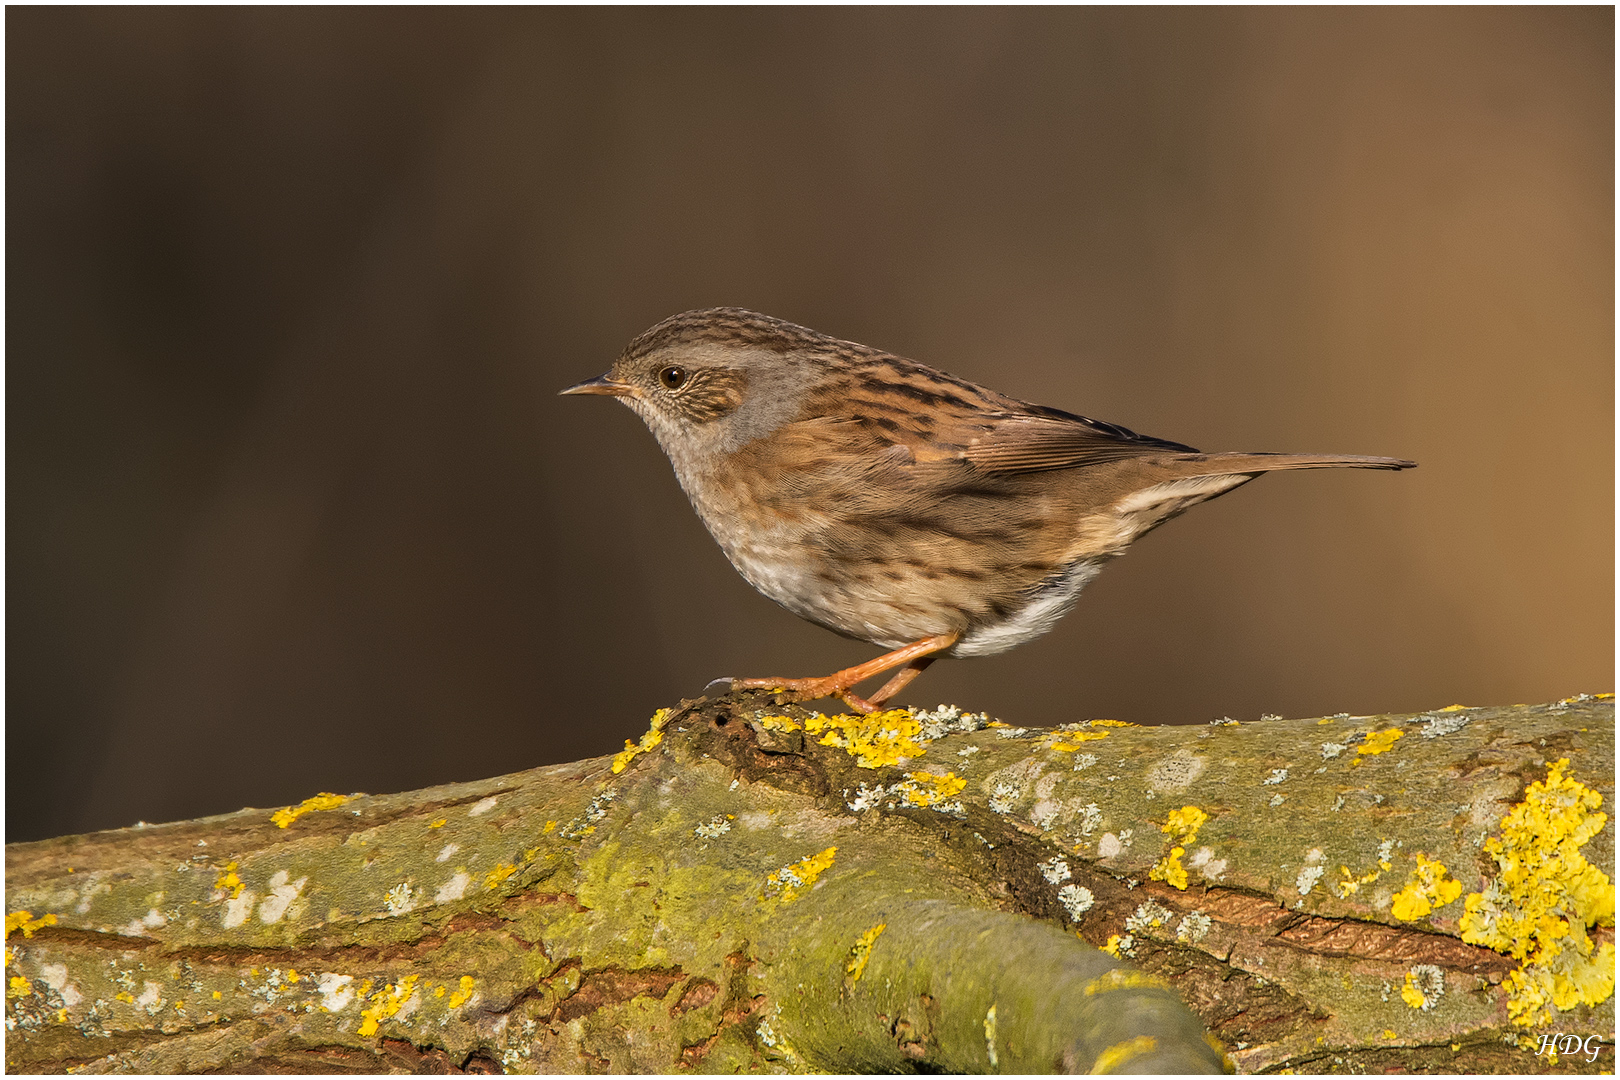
x,y
1041,439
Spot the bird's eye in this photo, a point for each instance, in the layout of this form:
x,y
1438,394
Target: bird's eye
x,y
673,378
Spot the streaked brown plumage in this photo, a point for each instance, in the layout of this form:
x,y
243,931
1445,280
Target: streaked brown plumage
x,y
894,503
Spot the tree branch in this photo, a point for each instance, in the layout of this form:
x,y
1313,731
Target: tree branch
x,y
761,887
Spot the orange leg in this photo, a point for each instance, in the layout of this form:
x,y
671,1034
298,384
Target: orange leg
x,y
915,657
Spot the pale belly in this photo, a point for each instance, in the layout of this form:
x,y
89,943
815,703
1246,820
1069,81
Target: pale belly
x,y
893,604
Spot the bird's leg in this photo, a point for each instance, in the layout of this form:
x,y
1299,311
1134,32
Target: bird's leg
x,y
915,657
896,683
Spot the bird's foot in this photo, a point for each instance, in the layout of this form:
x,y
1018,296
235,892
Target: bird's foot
x,y
911,659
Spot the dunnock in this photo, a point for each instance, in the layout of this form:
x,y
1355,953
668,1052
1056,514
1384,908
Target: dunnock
x,y
894,503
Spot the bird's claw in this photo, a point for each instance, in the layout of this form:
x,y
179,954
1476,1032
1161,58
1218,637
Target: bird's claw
x,y
808,690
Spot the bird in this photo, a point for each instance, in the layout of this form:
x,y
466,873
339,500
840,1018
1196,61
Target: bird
x,y
896,504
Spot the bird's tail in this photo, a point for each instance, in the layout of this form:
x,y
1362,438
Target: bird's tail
x,y
1224,464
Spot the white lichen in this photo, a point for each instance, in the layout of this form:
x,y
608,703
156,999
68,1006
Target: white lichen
x,y
715,827
948,720
1333,749
1204,861
1003,797
1149,915
1193,928
1277,776
1055,870
336,991
400,899
238,907
283,892
595,811
1429,982
55,976
1076,900
1177,772
1444,725
453,889
483,806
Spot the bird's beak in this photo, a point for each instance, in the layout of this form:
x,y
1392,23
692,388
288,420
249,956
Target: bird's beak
x,y
601,385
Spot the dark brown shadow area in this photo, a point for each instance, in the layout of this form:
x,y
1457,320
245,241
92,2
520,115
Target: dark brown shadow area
x,y
293,507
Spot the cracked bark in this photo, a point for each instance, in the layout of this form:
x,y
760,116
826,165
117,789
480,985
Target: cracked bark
x,y
575,919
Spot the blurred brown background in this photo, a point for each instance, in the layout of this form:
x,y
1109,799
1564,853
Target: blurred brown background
x,y
293,506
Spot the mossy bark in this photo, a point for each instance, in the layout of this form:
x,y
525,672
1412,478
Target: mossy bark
x,y
744,897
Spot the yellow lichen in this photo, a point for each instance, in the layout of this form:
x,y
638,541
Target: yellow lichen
x,y
785,884
385,1003
928,789
438,823
1067,742
990,1034
654,736
1182,826
1112,1058
551,826
499,874
125,996
228,879
1112,723
1410,993
1226,1059
862,952
1112,947
1118,979
1544,897
19,987
1351,883
875,741
324,801
1427,888
460,997
25,921
1185,822
780,723
1377,743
